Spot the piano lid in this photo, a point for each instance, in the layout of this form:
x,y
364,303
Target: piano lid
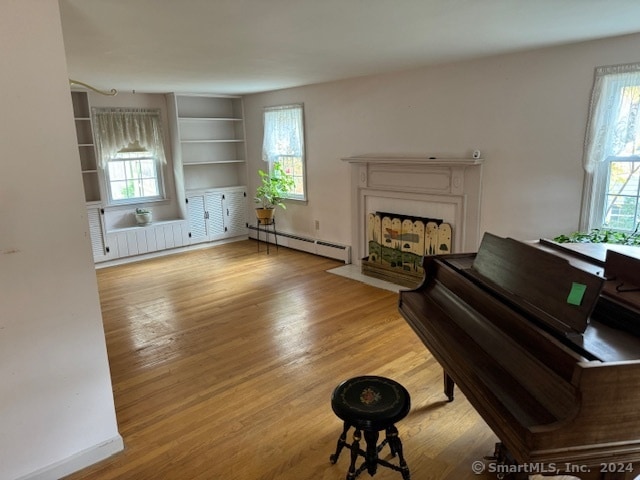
x,y
618,264
623,279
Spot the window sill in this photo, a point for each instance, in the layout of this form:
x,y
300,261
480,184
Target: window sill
x,y
158,223
114,207
295,201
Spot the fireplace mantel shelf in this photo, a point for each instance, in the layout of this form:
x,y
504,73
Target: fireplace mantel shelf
x,y
408,160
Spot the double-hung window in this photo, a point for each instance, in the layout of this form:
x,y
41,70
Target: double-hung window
x,y
133,173
131,153
612,151
283,143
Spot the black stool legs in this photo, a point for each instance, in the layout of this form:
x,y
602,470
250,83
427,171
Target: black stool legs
x,y
355,450
371,454
392,432
396,449
342,442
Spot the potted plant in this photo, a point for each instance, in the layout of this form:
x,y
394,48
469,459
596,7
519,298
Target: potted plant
x,y
271,192
602,235
143,216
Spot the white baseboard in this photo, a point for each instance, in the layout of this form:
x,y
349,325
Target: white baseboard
x,y
304,244
78,461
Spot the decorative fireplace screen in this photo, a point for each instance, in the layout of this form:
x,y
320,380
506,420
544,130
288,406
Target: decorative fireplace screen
x,y
397,243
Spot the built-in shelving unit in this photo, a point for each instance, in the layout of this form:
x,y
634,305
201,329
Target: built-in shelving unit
x,y
89,169
86,147
208,140
208,156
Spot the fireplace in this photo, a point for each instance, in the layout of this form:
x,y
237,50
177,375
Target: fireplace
x,y
397,243
448,189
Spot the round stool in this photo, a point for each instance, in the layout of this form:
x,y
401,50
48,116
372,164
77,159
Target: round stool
x,y
371,404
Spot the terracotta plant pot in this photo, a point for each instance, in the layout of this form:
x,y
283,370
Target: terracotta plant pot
x,y
265,215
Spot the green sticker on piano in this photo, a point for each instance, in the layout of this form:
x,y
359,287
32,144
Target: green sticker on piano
x,y
576,293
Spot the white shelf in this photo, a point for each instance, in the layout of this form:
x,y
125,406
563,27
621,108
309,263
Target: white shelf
x,y
211,162
158,223
208,139
210,119
86,147
408,160
213,141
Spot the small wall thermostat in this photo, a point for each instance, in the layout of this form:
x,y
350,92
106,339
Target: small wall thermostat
x,y
476,154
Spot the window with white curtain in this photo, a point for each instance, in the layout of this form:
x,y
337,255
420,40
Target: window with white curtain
x,y
283,143
612,150
131,153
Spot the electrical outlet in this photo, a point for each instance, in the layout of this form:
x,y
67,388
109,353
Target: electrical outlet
x,y
317,224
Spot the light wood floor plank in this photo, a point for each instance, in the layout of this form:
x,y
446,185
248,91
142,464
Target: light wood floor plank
x,y
223,361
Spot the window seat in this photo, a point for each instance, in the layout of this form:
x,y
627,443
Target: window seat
x,y
140,239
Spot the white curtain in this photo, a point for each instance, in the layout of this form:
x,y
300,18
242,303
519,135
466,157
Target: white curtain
x,y
614,126
116,128
283,132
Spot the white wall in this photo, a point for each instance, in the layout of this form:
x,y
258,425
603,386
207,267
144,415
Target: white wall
x,y
526,112
56,404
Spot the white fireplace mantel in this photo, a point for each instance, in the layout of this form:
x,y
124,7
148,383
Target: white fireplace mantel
x,y
447,188
408,160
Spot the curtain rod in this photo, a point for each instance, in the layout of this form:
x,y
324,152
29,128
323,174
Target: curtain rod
x,y
111,92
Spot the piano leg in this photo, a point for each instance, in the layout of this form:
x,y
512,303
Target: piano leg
x,y
449,384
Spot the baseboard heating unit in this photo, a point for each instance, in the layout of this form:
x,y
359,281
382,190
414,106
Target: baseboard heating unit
x,y
305,244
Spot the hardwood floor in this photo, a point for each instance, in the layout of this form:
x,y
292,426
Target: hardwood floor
x,y
223,361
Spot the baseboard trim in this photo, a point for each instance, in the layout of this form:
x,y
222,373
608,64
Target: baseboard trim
x,y
304,244
76,462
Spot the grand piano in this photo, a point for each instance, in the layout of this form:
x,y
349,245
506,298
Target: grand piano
x,y
543,339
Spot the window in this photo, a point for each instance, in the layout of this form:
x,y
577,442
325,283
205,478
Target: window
x,y
621,195
283,143
612,150
131,153
133,175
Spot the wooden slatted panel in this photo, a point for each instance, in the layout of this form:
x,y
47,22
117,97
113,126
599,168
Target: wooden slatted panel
x,y
195,212
213,205
96,233
141,239
176,231
234,213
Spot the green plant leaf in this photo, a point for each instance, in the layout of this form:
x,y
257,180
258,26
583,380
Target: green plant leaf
x,y
601,235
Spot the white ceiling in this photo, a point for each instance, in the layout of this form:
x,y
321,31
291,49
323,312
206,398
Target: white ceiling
x,y
247,46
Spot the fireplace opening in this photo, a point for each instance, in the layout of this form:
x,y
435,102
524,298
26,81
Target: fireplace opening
x,y
397,244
